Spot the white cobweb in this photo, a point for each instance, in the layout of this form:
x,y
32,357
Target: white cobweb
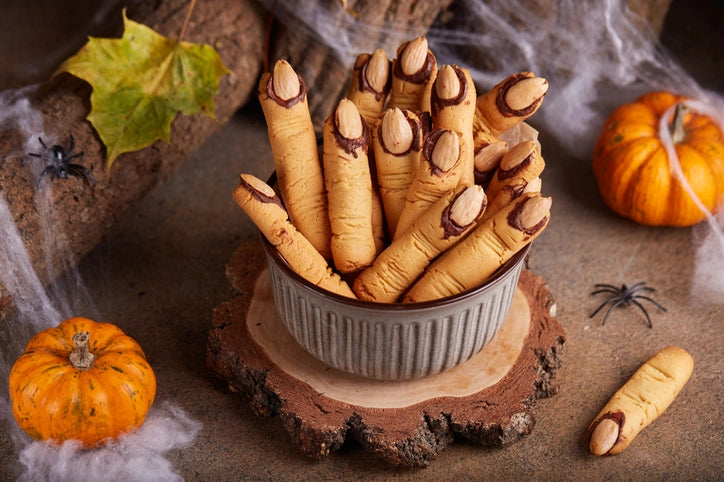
x,y
137,456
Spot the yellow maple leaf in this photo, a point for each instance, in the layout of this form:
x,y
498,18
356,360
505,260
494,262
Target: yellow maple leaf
x,y
141,82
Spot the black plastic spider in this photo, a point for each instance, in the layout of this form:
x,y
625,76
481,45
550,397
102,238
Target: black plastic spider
x,y
624,296
60,166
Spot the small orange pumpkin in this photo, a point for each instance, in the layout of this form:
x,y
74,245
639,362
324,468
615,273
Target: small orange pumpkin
x,y
83,381
632,168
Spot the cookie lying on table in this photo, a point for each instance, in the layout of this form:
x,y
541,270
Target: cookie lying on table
x,y
640,401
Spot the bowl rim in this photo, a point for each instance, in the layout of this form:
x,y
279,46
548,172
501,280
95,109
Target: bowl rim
x,y
308,286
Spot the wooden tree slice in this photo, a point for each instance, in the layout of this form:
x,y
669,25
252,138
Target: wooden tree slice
x,y
405,423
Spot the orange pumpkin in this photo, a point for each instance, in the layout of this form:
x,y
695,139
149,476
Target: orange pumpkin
x,y
83,381
633,170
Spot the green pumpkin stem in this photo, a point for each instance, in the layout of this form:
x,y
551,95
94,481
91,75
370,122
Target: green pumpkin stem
x,y
81,357
677,125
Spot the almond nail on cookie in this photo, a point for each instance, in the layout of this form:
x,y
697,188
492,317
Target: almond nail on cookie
x,y
513,100
522,163
510,192
485,249
349,188
397,150
640,401
266,211
488,152
370,85
283,98
438,228
413,73
438,172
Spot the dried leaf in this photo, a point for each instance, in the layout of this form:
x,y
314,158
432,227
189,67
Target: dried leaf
x,y
141,82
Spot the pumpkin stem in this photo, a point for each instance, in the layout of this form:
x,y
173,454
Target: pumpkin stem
x,y
81,357
677,126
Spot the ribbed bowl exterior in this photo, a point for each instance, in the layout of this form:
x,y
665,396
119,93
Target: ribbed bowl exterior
x,y
391,341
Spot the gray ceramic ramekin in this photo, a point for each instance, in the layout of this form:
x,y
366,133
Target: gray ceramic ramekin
x,y
391,341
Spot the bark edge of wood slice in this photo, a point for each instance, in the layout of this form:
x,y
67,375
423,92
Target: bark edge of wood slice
x,y
406,436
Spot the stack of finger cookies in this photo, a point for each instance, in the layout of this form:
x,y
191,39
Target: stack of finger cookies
x,y
419,191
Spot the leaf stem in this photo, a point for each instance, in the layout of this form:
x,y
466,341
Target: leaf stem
x,y
186,20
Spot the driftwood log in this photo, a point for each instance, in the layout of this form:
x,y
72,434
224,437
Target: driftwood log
x,y
79,215
404,423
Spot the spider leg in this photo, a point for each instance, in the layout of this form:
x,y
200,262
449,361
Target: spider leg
x,y
610,300
615,291
33,154
651,300
605,317
636,285
76,156
638,288
81,172
646,313
50,170
603,285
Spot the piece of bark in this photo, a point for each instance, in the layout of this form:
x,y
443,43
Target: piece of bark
x,y
367,26
406,428
81,215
